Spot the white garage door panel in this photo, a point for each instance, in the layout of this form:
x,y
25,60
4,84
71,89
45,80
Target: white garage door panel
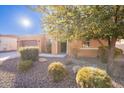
x,y
7,44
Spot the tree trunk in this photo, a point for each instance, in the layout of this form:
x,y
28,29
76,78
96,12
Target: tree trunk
x,y
111,43
111,55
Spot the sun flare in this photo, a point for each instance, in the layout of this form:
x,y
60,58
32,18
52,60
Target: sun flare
x,y
25,22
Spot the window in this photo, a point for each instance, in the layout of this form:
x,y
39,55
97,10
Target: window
x,y
86,44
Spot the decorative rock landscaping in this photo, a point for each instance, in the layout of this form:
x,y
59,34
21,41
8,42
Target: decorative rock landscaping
x,y
37,76
76,68
42,60
118,70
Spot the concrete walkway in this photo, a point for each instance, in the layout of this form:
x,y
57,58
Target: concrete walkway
x,y
10,55
52,55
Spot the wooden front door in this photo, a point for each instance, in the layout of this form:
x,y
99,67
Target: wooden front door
x,y
63,47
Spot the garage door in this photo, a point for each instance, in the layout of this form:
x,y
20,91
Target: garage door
x,y
8,44
29,43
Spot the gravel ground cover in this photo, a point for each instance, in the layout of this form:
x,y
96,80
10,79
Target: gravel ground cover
x,y
37,76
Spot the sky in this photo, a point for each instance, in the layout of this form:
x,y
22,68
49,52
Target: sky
x,y
19,20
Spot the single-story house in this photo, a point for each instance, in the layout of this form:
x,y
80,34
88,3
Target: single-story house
x,y
47,44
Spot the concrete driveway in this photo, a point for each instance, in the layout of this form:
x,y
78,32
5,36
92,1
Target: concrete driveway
x,y
8,55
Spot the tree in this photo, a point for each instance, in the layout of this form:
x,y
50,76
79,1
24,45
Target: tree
x,y
105,22
86,22
62,22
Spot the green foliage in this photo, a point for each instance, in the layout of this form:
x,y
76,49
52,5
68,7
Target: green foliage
x,y
89,77
57,71
25,65
62,22
77,22
104,22
103,53
29,53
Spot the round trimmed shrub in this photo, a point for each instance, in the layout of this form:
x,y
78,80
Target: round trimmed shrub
x,y
29,53
57,71
89,77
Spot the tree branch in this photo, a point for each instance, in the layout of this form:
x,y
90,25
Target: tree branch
x,y
100,42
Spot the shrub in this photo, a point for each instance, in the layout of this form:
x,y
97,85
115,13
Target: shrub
x,y
118,52
89,77
57,71
29,53
24,65
103,54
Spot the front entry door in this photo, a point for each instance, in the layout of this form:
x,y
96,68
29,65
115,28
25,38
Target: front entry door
x,y
63,47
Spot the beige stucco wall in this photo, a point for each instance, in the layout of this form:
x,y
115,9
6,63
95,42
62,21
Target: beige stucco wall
x,y
55,47
37,38
12,43
42,40
77,46
87,52
8,43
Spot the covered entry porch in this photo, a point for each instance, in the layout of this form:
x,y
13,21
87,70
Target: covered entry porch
x,y
58,47
45,44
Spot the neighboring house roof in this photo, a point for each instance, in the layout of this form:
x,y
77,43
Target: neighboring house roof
x,y
11,36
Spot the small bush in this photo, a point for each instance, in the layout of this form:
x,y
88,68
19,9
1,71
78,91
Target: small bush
x,y
57,71
24,65
118,52
89,77
103,54
29,53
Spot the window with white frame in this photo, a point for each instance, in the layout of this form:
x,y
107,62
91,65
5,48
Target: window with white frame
x,y
86,44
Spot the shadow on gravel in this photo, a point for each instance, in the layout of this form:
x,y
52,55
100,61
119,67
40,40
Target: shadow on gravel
x,y
9,65
33,78
37,77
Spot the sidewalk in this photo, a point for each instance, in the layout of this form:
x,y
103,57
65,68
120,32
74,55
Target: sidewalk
x,y
11,55
8,55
